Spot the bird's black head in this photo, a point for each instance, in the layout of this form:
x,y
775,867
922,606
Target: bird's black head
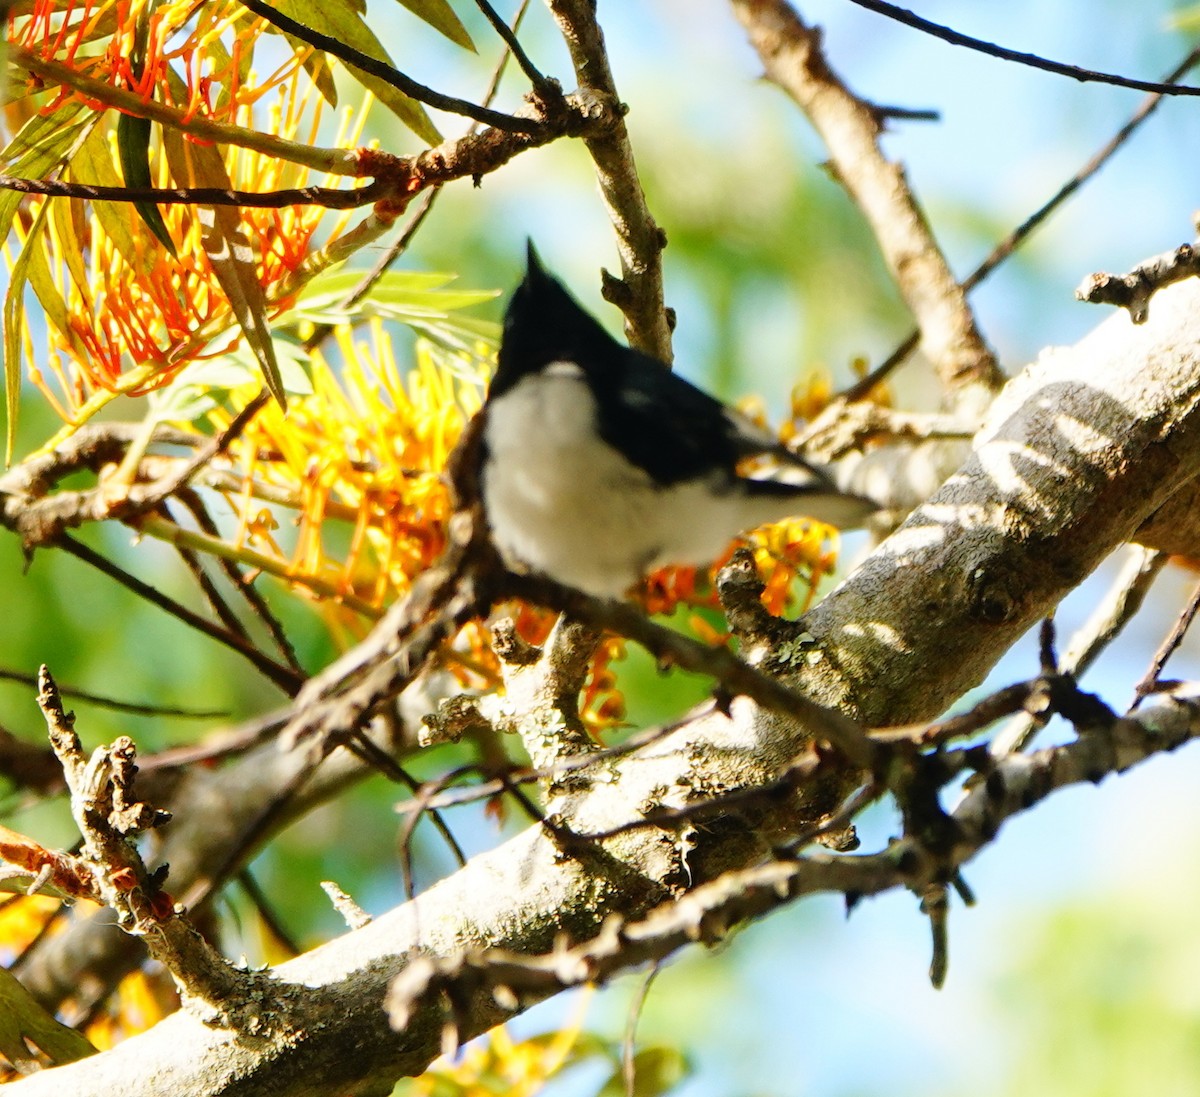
x,y
545,324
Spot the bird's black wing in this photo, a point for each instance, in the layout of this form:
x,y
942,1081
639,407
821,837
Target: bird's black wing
x,y
669,427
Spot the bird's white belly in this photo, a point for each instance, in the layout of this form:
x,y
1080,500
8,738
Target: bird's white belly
x,y
563,503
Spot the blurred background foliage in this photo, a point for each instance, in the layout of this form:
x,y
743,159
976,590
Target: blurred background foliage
x,y
1077,973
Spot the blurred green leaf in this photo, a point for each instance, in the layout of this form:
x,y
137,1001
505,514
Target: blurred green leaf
x,y
14,311
23,1022
206,383
415,299
656,1071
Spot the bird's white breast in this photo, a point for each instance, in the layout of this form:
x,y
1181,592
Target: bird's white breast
x,y
562,502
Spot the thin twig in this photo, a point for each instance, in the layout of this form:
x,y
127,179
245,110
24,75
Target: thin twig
x,y
134,708
287,680
1014,239
1174,638
629,1040
267,912
244,586
1111,615
957,38
509,37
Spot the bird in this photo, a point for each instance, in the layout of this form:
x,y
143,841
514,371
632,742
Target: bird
x,y
596,464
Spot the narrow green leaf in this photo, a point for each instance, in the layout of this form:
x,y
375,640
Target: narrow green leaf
x,y
228,251
36,149
64,213
14,315
412,298
440,15
93,163
52,302
338,20
23,1022
133,147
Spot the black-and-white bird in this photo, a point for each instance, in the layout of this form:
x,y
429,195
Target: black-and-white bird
x,y
597,464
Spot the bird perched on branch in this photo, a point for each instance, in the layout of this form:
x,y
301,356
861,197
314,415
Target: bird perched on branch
x,y
596,464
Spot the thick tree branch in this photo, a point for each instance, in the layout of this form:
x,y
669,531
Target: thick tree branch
x,y
1081,449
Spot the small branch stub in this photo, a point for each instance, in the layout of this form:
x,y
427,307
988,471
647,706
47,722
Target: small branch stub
x,y
1132,291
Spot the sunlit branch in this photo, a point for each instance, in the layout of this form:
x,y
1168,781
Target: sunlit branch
x,y
162,530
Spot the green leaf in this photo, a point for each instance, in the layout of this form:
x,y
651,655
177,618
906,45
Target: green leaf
x,y
52,302
67,215
656,1070
93,163
14,315
337,19
207,383
228,251
440,15
39,147
133,146
416,299
24,1022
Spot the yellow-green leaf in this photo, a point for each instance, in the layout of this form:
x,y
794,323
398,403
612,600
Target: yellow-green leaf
x,y
338,20
14,316
440,15
228,250
64,213
39,147
23,1022
93,163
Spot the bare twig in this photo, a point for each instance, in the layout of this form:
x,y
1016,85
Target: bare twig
x,y
1111,615
328,197
354,915
1149,682
957,38
287,680
791,53
509,37
638,293
108,816
117,704
1014,239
